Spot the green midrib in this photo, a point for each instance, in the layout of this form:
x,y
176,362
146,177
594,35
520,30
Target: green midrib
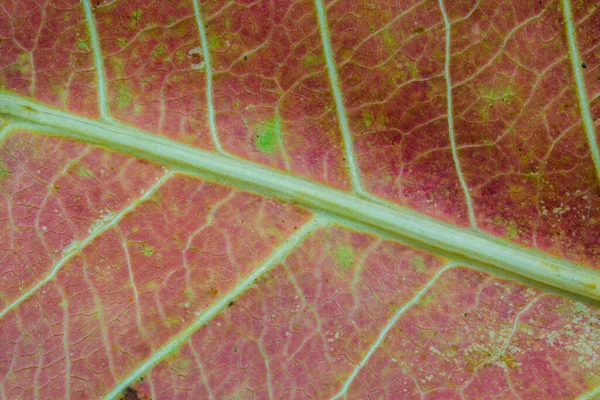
x,y
343,207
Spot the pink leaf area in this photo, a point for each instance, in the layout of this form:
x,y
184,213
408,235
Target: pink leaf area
x,y
299,199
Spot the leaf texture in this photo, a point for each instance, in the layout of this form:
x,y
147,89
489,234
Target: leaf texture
x,y
299,199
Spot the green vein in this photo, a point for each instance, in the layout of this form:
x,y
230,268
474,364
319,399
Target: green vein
x,y
593,394
5,131
98,60
278,255
339,99
208,70
584,105
388,326
461,178
343,207
75,248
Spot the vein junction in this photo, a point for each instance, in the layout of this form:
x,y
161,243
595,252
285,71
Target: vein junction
x,y
278,256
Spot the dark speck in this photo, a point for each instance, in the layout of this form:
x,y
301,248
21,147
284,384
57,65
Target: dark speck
x,y
584,65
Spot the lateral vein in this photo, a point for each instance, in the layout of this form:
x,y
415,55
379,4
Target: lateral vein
x,y
584,105
339,99
208,70
461,178
98,61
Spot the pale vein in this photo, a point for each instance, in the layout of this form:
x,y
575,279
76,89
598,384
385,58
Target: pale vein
x,y
278,256
584,105
339,99
208,70
98,61
461,178
74,250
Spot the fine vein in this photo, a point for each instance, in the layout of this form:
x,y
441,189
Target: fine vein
x,y
208,70
98,60
339,99
75,249
389,326
278,256
584,105
345,208
461,178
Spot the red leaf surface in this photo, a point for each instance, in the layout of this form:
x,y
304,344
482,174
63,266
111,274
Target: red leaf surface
x,y
299,199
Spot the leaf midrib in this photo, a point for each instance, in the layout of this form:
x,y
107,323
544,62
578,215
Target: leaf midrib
x,y
344,208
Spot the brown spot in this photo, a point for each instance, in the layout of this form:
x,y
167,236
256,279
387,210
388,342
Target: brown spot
x,y
196,58
130,394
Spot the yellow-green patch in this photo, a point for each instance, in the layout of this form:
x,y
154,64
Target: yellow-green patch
x,y
148,251
123,96
418,262
135,17
368,118
83,171
83,45
4,172
345,256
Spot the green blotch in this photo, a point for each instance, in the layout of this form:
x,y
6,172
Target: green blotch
x,y
427,300
390,40
138,109
83,45
4,172
500,92
161,53
267,136
418,262
312,60
512,232
148,251
345,256
22,64
368,118
182,364
82,171
118,65
123,96
171,322
135,17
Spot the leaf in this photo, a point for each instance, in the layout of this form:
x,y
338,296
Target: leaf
x,y
299,199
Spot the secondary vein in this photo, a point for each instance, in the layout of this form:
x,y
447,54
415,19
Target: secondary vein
x,y
98,61
584,105
208,70
339,99
461,178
